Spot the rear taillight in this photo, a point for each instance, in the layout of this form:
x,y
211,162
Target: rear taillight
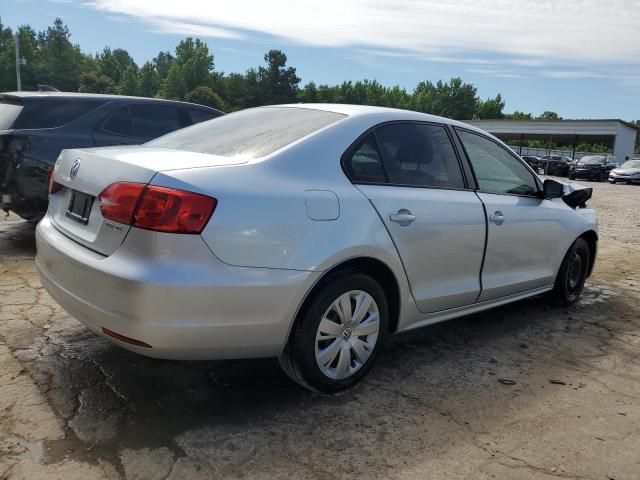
x,y
53,185
156,208
119,200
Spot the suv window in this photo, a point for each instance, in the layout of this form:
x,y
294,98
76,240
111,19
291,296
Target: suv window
x,y
198,116
496,170
419,155
52,112
119,123
151,121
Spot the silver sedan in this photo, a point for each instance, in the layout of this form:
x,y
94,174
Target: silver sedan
x,y
306,232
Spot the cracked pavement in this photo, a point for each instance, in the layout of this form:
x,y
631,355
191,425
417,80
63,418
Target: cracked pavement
x,y
524,391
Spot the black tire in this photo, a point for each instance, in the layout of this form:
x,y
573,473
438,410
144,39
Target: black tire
x,y
298,359
572,177
573,273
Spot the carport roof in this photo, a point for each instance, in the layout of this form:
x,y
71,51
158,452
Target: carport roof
x,y
559,127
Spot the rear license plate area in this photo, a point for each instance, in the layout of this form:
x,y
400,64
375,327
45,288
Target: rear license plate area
x,y
79,207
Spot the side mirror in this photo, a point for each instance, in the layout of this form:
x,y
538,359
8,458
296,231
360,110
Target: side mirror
x,y
552,189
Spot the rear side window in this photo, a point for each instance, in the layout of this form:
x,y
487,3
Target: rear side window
x,y
251,133
419,155
151,121
51,113
364,164
198,116
118,123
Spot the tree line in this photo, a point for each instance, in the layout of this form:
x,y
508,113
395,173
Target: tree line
x,y
189,74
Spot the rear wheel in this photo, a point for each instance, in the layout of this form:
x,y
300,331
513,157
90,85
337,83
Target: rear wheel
x,y
572,176
338,334
573,273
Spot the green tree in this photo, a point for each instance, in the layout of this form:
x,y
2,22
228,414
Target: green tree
x,y
115,64
491,108
60,62
191,68
279,83
519,116
549,116
204,95
92,82
148,80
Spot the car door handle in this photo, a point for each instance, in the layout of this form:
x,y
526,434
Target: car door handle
x,y
404,217
497,218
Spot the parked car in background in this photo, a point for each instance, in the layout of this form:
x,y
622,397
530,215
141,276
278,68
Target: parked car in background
x,y
306,232
554,165
532,161
593,167
628,172
36,126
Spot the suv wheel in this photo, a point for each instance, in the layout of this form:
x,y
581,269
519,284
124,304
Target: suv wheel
x,y
337,336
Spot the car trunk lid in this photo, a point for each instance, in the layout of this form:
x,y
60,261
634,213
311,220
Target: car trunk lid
x,y
84,174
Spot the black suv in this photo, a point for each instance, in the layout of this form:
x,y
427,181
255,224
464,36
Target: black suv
x,y
36,126
593,167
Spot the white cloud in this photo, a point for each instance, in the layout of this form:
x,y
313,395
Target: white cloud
x,y
540,31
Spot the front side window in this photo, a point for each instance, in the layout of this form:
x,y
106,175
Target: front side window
x,y
496,170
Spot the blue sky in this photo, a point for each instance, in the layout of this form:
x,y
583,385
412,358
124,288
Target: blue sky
x,y
580,58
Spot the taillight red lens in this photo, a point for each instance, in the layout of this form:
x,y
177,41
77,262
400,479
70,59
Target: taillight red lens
x,y
118,201
175,211
53,185
156,208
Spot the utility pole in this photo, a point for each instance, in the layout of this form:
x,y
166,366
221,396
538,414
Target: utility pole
x,y
18,61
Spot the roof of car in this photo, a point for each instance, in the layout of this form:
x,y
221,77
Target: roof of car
x,y
391,113
104,96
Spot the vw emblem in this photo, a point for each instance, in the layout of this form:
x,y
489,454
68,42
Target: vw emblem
x,y
74,169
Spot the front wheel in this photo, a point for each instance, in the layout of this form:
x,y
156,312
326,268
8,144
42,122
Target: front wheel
x,y
337,335
573,273
572,176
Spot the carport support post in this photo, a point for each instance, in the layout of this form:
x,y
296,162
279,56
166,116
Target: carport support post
x,y
575,143
18,61
521,142
546,167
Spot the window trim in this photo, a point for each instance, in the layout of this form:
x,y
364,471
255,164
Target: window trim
x,y
468,186
536,179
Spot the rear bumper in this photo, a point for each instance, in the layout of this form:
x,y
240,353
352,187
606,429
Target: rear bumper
x,y
172,293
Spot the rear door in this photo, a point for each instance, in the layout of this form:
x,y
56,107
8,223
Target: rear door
x,y
411,174
523,228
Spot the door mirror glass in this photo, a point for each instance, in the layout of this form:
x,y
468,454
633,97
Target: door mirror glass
x,y
552,189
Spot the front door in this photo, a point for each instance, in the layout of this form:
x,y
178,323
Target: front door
x,y
412,176
523,228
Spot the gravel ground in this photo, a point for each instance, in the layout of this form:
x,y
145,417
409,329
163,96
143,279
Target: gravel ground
x,y
523,391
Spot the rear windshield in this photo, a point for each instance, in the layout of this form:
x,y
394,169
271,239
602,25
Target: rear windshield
x,y
249,134
51,113
9,111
